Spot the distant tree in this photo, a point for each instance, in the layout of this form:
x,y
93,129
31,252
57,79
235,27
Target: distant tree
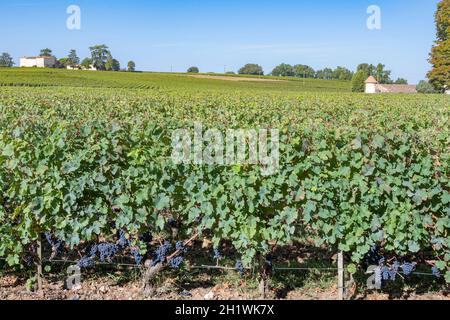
x,y
303,71
99,56
425,87
45,52
131,66
283,70
252,69
86,63
326,74
193,70
401,81
383,75
112,64
368,69
341,73
439,76
231,72
73,59
6,60
62,63
358,81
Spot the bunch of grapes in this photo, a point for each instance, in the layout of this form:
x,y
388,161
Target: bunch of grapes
x,y
269,261
92,251
57,245
176,262
179,246
107,251
86,262
408,268
217,255
373,257
161,253
394,270
138,258
436,272
240,267
146,237
123,241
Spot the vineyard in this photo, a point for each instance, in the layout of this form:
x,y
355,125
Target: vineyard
x,y
86,172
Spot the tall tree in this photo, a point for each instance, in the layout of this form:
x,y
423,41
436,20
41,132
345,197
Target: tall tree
x,y
439,76
131,66
358,81
304,71
283,70
73,59
45,52
100,54
6,60
252,69
86,63
342,73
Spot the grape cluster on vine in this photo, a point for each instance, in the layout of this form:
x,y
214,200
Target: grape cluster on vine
x,y
107,251
161,253
240,267
56,244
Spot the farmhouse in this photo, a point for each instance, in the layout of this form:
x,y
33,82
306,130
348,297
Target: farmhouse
x,y
39,62
372,86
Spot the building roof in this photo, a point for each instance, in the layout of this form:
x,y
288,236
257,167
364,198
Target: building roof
x,y
47,57
397,88
371,80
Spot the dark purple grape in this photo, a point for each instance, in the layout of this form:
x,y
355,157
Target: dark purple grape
x,y
86,263
436,272
176,262
240,267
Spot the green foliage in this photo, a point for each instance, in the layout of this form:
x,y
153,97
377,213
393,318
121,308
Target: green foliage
x,y
193,70
401,81
304,71
252,69
73,59
351,175
425,87
283,70
112,65
100,55
6,60
131,66
86,63
439,76
45,52
358,81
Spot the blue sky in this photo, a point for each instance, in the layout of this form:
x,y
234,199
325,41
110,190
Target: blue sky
x,y
162,34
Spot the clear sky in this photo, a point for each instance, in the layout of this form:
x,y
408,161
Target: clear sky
x,y
212,34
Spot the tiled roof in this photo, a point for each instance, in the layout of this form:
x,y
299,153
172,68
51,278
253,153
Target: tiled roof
x,y
397,88
371,80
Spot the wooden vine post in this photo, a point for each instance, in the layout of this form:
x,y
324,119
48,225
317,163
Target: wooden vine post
x,y
39,266
341,276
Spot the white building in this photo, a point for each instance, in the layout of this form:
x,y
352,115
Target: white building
x,y
80,67
38,62
372,86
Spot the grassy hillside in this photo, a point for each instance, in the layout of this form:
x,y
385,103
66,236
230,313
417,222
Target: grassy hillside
x,y
69,78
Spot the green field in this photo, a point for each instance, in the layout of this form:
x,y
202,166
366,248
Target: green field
x,y
88,79
85,154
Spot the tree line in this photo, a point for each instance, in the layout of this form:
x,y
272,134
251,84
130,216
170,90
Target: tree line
x,y
101,59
